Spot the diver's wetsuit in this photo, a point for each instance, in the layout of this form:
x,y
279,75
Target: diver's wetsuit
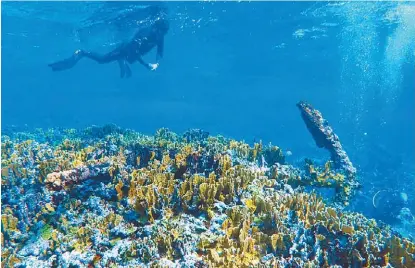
x,y
142,43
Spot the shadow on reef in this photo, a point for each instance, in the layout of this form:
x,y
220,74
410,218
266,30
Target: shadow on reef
x,y
104,197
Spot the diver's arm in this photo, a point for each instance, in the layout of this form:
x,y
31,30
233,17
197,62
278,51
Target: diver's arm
x,y
140,60
149,66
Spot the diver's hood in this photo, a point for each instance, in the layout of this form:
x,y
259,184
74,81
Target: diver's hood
x,y
384,198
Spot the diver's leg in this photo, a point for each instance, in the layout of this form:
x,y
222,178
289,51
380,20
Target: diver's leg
x,y
70,62
127,70
114,55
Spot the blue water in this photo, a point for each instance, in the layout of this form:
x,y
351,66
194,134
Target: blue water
x,y
236,69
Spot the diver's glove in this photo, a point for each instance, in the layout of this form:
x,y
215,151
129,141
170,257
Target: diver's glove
x,y
153,66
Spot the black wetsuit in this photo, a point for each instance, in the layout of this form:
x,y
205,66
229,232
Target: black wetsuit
x,y
142,43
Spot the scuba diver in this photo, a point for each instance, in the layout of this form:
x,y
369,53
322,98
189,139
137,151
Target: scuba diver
x,y
390,206
143,42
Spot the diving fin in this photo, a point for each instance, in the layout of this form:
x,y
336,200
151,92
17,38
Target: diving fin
x,y
124,69
66,63
127,70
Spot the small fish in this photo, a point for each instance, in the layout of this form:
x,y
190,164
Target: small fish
x,y
288,153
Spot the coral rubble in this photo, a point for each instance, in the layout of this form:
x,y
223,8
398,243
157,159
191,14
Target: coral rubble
x,y
108,197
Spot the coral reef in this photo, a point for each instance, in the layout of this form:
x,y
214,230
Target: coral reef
x,y
109,197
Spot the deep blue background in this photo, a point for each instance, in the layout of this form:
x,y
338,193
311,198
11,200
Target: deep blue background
x,y
236,69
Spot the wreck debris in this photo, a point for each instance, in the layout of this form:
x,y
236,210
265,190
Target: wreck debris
x,y
325,137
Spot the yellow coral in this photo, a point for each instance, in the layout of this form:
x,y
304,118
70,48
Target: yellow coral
x,y
83,239
251,205
9,222
9,259
207,193
347,229
225,163
118,188
332,212
257,150
401,253
277,242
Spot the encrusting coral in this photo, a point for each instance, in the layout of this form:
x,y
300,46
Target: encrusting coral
x,y
108,197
